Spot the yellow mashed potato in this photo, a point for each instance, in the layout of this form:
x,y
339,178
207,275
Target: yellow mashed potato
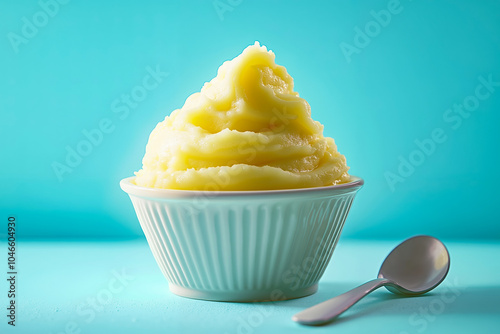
x,y
245,130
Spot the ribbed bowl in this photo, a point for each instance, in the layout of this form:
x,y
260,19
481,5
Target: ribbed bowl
x,y
243,245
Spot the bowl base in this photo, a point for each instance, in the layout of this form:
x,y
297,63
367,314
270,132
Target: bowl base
x,y
244,296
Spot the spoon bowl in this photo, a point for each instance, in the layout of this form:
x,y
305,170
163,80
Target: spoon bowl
x,y
414,267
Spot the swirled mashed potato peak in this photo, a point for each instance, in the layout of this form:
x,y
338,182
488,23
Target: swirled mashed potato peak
x,y
245,130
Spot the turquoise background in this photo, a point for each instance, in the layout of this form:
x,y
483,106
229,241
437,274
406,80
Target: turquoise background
x,y
69,74
396,89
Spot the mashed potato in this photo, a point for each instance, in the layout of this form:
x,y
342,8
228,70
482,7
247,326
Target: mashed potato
x,y
245,130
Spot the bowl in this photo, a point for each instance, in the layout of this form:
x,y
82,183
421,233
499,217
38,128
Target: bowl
x,y
243,246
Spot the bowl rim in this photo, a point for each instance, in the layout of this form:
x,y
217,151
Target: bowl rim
x,y
133,189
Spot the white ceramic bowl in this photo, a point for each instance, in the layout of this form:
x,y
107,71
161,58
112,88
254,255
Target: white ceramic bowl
x,y
243,245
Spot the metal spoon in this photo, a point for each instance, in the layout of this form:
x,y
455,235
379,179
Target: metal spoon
x,y
414,267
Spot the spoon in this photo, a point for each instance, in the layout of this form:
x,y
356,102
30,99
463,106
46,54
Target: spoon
x,y
414,267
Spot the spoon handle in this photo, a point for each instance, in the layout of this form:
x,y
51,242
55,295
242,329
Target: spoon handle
x,y
326,311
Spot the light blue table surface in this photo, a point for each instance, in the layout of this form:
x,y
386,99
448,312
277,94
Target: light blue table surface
x,y
116,287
